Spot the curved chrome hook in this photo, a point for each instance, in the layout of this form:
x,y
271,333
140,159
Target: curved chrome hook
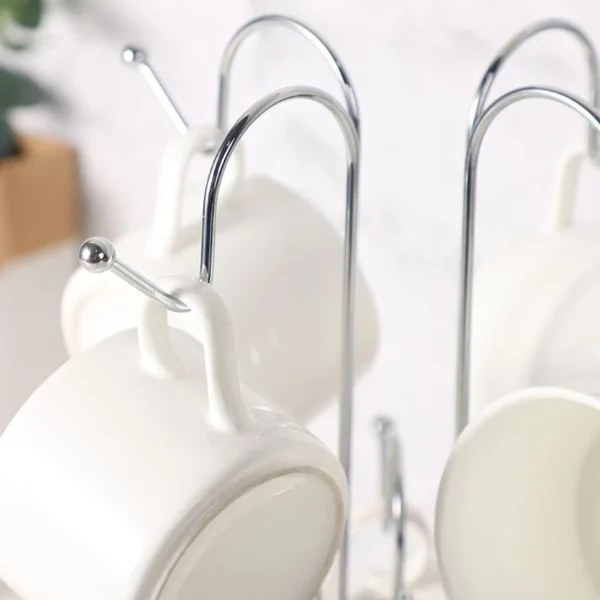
x,y
209,216
97,255
485,85
592,116
138,58
316,40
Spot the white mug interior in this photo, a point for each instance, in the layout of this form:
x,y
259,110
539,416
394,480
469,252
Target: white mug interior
x,y
517,510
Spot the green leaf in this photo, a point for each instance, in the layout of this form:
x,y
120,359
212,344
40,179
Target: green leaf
x,y
8,144
18,89
27,13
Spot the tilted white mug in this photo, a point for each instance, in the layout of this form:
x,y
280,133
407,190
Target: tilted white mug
x,y
141,470
278,270
535,319
517,508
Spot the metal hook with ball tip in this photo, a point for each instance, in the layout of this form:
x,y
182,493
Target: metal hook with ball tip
x,y
138,58
98,255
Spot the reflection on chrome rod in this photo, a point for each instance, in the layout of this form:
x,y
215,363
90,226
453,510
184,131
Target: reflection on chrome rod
x,y
392,491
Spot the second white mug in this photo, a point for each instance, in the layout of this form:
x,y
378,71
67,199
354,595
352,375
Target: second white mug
x,y
278,268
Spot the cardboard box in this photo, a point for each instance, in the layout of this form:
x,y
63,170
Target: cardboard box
x,y
39,197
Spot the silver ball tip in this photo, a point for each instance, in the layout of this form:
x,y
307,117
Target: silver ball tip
x,y
132,55
382,424
97,255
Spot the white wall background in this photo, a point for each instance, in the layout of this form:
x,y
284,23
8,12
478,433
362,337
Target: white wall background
x,y
415,64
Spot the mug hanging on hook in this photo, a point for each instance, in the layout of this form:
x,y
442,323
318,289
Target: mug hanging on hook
x,y
168,213
100,257
516,513
278,311
187,477
530,301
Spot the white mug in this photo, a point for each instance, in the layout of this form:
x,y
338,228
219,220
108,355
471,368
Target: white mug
x,y
278,268
535,320
141,470
517,510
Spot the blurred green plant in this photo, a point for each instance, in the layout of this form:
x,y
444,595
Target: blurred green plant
x,y
16,89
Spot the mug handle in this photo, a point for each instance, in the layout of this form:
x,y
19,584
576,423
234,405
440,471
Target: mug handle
x,y
227,410
560,216
175,162
416,566
380,584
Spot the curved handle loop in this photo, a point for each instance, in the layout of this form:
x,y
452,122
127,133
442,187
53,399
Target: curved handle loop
x,y
560,215
485,85
222,156
226,409
317,41
414,567
592,116
175,162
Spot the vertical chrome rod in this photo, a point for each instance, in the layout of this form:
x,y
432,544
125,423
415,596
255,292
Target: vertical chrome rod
x,y
592,116
393,499
223,154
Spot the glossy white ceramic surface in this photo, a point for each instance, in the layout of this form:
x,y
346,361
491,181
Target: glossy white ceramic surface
x,y
517,506
534,306
279,269
140,463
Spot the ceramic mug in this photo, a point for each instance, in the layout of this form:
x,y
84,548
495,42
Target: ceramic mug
x,y
517,509
278,268
141,470
535,305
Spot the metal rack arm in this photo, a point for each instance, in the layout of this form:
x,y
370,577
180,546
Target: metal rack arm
x,y
592,116
222,156
485,85
316,40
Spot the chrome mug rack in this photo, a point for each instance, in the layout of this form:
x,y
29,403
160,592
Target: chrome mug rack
x,y
480,119
98,255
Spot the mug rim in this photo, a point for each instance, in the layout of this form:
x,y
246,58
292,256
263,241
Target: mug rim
x,y
152,587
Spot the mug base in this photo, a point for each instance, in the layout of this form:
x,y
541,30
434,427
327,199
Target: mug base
x,y
275,541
